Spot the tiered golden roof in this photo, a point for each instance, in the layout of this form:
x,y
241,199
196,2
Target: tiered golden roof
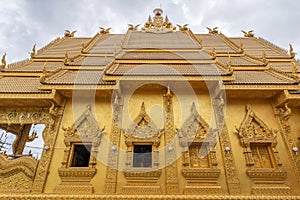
x,y
184,53
76,86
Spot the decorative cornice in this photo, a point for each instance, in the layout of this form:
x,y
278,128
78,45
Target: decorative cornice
x,y
144,197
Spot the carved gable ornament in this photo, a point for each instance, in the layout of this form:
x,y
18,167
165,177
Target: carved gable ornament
x,y
158,24
194,129
85,126
142,129
253,129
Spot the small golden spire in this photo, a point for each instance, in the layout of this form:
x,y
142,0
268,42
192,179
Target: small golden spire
x,y
229,63
168,94
200,40
33,51
3,61
66,57
291,51
294,69
166,19
45,69
82,47
149,19
241,46
264,57
213,52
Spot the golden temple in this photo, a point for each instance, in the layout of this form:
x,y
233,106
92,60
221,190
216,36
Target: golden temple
x,y
159,112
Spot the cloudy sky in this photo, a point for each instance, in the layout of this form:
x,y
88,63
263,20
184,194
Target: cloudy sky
x,y
26,22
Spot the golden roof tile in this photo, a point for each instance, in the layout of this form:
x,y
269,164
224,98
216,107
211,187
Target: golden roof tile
x,y
80,77
240,61
57,50
210,41
168,55
166,69
20,85
255,47
171,40
284,66
260,77
91,61
107,43
35,67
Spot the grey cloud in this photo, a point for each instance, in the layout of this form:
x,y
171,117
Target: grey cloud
x,y
27,22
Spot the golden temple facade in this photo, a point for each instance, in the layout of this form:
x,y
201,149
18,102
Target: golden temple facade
x,y
159,112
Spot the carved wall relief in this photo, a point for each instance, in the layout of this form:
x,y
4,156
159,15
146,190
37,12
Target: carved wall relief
x,y
262,159
23,173
78,167
283,115
199,159
112,172
142,139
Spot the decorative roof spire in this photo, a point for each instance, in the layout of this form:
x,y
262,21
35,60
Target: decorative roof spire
x,y
132,27
213,30
68,33
229,63
294,69
241,47
104,31
158,24
248,34
291,51
33,51
66,57
44,69
3,61
264,57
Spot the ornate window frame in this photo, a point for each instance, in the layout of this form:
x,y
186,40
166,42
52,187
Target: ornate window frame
x,y
85,130
195,131
253,131
147,134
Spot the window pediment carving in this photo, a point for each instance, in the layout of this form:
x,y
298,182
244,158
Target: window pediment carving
x,y
253,129
195,129
85,126
143,129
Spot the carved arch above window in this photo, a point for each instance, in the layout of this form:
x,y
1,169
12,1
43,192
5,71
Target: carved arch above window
x,y
199,157
84,132
262,159
142,131
195,130
253,129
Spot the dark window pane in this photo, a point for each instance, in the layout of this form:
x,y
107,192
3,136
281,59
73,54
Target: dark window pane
x,y
81,155
142,156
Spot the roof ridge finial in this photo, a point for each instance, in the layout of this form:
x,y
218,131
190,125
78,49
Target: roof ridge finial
x,y
291,51
3,61
294,69
33,51
158,24
248,33
45,69
229,63
66,56
264,57
241,46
